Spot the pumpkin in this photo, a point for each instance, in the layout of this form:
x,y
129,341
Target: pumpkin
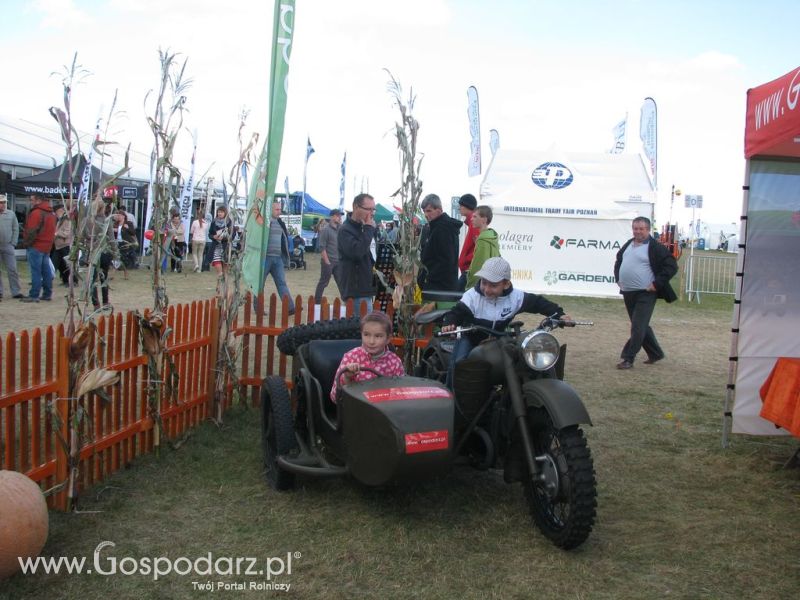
x,y
23,520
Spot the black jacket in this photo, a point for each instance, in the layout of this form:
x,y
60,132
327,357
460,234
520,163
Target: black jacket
x,y
354,269
439,254
284,243
662,263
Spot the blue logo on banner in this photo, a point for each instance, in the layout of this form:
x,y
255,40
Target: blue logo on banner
x,y
552,176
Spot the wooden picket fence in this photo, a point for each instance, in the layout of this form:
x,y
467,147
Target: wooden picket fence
x,y
35,416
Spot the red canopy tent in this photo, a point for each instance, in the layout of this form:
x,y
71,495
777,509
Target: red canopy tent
x,y
773,118
766,321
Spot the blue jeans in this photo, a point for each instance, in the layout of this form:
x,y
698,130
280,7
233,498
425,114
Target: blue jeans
x,y
273,265
41,276
359,301
462,349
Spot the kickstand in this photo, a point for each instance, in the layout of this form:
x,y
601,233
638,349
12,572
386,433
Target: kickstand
x,y
794,460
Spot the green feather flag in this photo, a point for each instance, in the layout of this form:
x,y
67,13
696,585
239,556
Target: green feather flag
x,y
262,186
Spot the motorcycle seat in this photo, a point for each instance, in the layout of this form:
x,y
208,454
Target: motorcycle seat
x,y
430,316
441,296
324,357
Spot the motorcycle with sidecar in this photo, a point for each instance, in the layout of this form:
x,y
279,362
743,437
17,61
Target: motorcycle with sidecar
x,y
509,410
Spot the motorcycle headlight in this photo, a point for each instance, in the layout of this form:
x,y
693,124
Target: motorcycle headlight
x,y
540,350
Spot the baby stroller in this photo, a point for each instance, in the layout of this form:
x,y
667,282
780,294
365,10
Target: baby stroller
x,y
297,257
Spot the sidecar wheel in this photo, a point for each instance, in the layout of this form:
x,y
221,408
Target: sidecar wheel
x,y
563,504
277,431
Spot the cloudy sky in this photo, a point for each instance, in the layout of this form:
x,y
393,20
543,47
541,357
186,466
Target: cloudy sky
x,y
547,73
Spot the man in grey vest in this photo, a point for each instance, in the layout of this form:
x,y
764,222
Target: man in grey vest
x,y
643,269
329,250
277,257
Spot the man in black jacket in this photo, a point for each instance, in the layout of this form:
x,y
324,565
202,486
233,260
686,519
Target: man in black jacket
x,y
356,244
439,244
643,269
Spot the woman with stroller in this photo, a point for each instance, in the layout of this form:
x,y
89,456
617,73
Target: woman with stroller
x,y
176,239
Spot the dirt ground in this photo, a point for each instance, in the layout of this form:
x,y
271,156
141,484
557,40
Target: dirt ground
x,y
135,292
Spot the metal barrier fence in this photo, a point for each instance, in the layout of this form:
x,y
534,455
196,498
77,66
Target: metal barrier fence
x,y
710,275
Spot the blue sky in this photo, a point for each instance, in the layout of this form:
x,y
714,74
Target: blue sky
x,y
546,73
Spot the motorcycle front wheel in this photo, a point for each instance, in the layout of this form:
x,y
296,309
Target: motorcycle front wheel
x,y
563,501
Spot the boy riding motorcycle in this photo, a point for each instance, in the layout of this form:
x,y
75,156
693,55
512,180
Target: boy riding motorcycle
x,y
492,303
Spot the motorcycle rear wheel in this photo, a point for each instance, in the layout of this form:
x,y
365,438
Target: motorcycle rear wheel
x,y
277,431
563,506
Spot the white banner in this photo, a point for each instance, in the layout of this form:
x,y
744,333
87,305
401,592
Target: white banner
x,y
341,183
474,167
562,256
648,132
619,136
148,213
86,178
494,141
186,197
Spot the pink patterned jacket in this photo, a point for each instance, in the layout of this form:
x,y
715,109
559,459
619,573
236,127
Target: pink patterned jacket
x,y
387,364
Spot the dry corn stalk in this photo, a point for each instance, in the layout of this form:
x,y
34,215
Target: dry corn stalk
x,y
96,379
81,339
407,257
153,335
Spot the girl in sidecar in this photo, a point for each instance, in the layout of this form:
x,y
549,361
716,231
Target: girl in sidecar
x,y
373,353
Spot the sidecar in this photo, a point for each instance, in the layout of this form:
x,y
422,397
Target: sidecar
x,y
383,431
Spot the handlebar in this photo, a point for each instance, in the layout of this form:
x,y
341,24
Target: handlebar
x,y
547,324
457,330
553,322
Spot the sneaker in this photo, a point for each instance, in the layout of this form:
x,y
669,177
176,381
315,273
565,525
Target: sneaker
x,y
18,296
29,299
625,364
46,299
654,360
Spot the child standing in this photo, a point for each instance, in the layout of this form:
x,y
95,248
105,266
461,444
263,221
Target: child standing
x,y
487,244
376,328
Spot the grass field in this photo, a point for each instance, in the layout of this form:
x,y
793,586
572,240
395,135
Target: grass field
x,y
678,515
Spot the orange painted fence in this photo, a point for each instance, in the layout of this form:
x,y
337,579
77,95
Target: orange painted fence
x,y
34,386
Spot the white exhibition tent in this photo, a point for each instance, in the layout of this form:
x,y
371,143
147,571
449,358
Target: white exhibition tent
x,y
562,216
766,323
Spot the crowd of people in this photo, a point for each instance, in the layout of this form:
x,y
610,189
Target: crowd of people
x,y
348,253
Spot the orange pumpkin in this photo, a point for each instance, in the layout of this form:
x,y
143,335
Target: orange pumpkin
x,y
23,520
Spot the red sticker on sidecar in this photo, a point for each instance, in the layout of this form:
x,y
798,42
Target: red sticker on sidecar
x,y
427,441
405,393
